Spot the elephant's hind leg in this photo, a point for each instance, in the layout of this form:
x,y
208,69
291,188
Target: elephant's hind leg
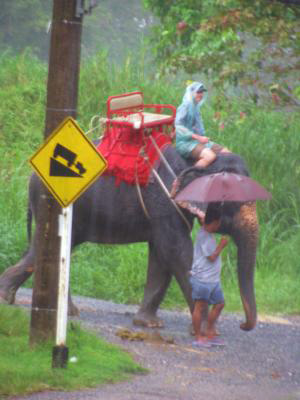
x,y
13,277
158,280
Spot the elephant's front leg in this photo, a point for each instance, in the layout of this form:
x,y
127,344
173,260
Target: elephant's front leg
x,y
171,255
158,280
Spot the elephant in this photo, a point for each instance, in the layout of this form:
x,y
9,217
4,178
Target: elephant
x,y
113,214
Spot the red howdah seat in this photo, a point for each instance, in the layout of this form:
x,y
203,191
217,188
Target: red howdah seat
x,y
129,110
131,129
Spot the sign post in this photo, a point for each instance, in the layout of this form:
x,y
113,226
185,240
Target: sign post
x,y
68,163
60,350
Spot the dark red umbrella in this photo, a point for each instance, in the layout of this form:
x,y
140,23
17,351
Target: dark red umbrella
x,y
223,186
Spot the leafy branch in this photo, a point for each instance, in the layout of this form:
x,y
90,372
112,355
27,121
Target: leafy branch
x,y
233,42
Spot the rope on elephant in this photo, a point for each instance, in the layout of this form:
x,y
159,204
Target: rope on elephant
x,y
159,180
163,158
101,122
171,200
193,210
139,192
165,189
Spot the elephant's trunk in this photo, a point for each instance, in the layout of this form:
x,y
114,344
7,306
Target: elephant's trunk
x,y
245,234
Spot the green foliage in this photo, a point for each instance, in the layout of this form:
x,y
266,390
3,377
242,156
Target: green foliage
x,y
97,362
24,23
234,42
266,138
23,88
23,91
114,26
118,272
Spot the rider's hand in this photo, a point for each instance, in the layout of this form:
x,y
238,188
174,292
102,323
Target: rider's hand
x,y
203,139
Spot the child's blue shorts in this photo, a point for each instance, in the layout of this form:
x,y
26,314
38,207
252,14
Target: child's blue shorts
x,y
208,291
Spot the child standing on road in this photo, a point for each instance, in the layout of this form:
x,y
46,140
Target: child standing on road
x,y
205,281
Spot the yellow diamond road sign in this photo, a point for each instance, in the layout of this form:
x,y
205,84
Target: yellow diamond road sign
x,y
68,162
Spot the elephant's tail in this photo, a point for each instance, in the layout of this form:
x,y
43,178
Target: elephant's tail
x,y
29,222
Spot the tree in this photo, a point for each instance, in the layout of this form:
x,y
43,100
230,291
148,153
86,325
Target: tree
x,y
250,43
24,23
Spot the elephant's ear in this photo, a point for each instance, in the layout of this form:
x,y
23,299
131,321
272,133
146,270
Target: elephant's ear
x,y
224,163
191,173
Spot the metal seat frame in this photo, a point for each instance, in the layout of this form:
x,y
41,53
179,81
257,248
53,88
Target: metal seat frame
x,y
129,110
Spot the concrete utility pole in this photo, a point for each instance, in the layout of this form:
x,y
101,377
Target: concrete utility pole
x,y
62,93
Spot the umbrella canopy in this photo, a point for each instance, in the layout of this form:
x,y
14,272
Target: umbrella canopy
x,y
223,186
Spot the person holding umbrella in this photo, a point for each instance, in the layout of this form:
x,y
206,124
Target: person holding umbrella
x,y
191,141
205,281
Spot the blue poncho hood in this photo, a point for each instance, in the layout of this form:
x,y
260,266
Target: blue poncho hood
x,y
190,93
188,120
188,113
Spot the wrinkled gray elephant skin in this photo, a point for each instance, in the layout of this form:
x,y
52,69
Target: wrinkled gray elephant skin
x,y
110,213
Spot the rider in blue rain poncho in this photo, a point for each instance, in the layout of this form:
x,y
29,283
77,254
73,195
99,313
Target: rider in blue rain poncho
x,y
191,141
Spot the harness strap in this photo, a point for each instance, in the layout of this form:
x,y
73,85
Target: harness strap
x,y
140,196
171,200
161,183
163,157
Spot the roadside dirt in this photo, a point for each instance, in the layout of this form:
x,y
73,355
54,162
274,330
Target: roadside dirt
x,y
260,365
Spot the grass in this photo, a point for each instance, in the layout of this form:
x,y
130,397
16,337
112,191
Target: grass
x,y
265,137
24,369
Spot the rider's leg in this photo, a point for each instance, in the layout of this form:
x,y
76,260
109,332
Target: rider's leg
x,y
207,156
225,150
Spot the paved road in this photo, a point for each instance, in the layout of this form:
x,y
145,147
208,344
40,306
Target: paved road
x,y
260,365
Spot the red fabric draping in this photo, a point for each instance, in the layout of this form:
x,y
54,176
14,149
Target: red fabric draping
x,y
125,150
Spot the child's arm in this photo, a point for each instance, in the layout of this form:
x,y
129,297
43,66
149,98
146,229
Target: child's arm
x,y
219,248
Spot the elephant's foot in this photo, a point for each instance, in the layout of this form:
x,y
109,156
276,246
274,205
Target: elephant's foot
x,y
147,320
247,326
7,296
73,311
